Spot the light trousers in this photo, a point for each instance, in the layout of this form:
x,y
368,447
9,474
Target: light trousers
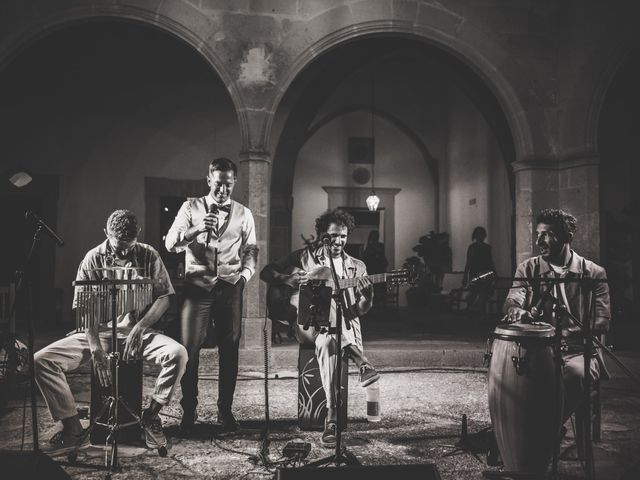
x,y
326,348
72,352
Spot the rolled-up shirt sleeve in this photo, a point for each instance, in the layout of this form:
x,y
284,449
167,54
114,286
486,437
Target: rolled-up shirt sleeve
x,y
174,240
520,292
602,317
158,272
249,246
83,274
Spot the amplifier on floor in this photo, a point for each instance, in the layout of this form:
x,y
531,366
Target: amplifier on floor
x,y
426,471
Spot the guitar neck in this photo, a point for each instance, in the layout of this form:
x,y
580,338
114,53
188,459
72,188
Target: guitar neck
x,y
352,282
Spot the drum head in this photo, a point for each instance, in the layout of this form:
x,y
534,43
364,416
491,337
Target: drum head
x,y
535,329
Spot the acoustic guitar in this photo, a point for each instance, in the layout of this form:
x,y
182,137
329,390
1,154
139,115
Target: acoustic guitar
x,y
282,300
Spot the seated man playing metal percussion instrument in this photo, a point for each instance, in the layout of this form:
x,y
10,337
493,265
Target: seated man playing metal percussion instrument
x,y
119,250
528,301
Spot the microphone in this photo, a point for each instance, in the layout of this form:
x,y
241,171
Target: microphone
x,y
49,230
482,277
213,208
325,238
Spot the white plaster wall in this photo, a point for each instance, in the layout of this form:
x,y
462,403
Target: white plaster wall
x,y
476,186
323,162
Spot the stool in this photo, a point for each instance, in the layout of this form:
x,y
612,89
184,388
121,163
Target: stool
x,y
312,402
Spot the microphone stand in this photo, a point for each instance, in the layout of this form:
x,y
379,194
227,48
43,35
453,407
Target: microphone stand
x,y
23,291
22,280
341,456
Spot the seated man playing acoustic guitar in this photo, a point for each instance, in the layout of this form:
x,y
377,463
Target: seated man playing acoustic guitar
x,y
292,271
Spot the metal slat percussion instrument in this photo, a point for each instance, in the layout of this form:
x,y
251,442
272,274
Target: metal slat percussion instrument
x,y
93,300
116,292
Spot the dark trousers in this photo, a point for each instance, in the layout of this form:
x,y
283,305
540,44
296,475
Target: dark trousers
x,y
223,305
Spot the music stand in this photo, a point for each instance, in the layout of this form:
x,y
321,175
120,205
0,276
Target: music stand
x,y
342,456
314,305
112,403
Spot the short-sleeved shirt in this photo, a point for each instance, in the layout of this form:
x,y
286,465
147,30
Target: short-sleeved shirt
x,y
143,257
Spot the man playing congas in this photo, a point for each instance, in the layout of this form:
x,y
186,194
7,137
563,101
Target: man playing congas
x,y
119,250
528,301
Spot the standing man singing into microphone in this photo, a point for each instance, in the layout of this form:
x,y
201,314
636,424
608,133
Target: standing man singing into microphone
x,y
534,300
218,237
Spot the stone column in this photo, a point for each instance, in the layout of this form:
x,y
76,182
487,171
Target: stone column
x,y
280,225
571,184
579,193
253,191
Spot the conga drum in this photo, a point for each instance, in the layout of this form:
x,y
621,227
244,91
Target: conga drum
x,y
522,396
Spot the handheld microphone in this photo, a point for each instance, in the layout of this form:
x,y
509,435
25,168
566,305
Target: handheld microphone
x,y
213,208
48,229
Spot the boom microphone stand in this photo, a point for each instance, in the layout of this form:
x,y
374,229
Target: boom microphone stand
x,y
341,456
23,293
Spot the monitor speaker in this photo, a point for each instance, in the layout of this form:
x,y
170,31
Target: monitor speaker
x,y
30,465
426,471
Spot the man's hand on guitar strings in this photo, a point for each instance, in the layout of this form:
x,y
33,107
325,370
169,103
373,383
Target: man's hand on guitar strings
x,y
296,279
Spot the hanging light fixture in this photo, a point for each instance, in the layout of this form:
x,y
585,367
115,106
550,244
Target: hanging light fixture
x,y
373,200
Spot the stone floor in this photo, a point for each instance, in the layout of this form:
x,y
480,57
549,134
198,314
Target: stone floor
x,y
422,407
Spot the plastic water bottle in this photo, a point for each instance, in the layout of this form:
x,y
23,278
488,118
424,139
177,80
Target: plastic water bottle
x,y
373,402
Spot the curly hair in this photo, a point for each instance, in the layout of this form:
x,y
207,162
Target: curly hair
x,y
337,216
563,223
123,225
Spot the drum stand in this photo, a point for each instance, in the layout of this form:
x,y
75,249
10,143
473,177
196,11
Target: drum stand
x,y
342,456
114,402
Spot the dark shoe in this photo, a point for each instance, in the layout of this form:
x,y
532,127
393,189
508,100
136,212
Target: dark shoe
x,y
368,375
494,459
64,442
154,436
228,421
328,438
188,422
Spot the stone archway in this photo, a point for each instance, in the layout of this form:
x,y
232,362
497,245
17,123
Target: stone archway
x,y
103,104
303,121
